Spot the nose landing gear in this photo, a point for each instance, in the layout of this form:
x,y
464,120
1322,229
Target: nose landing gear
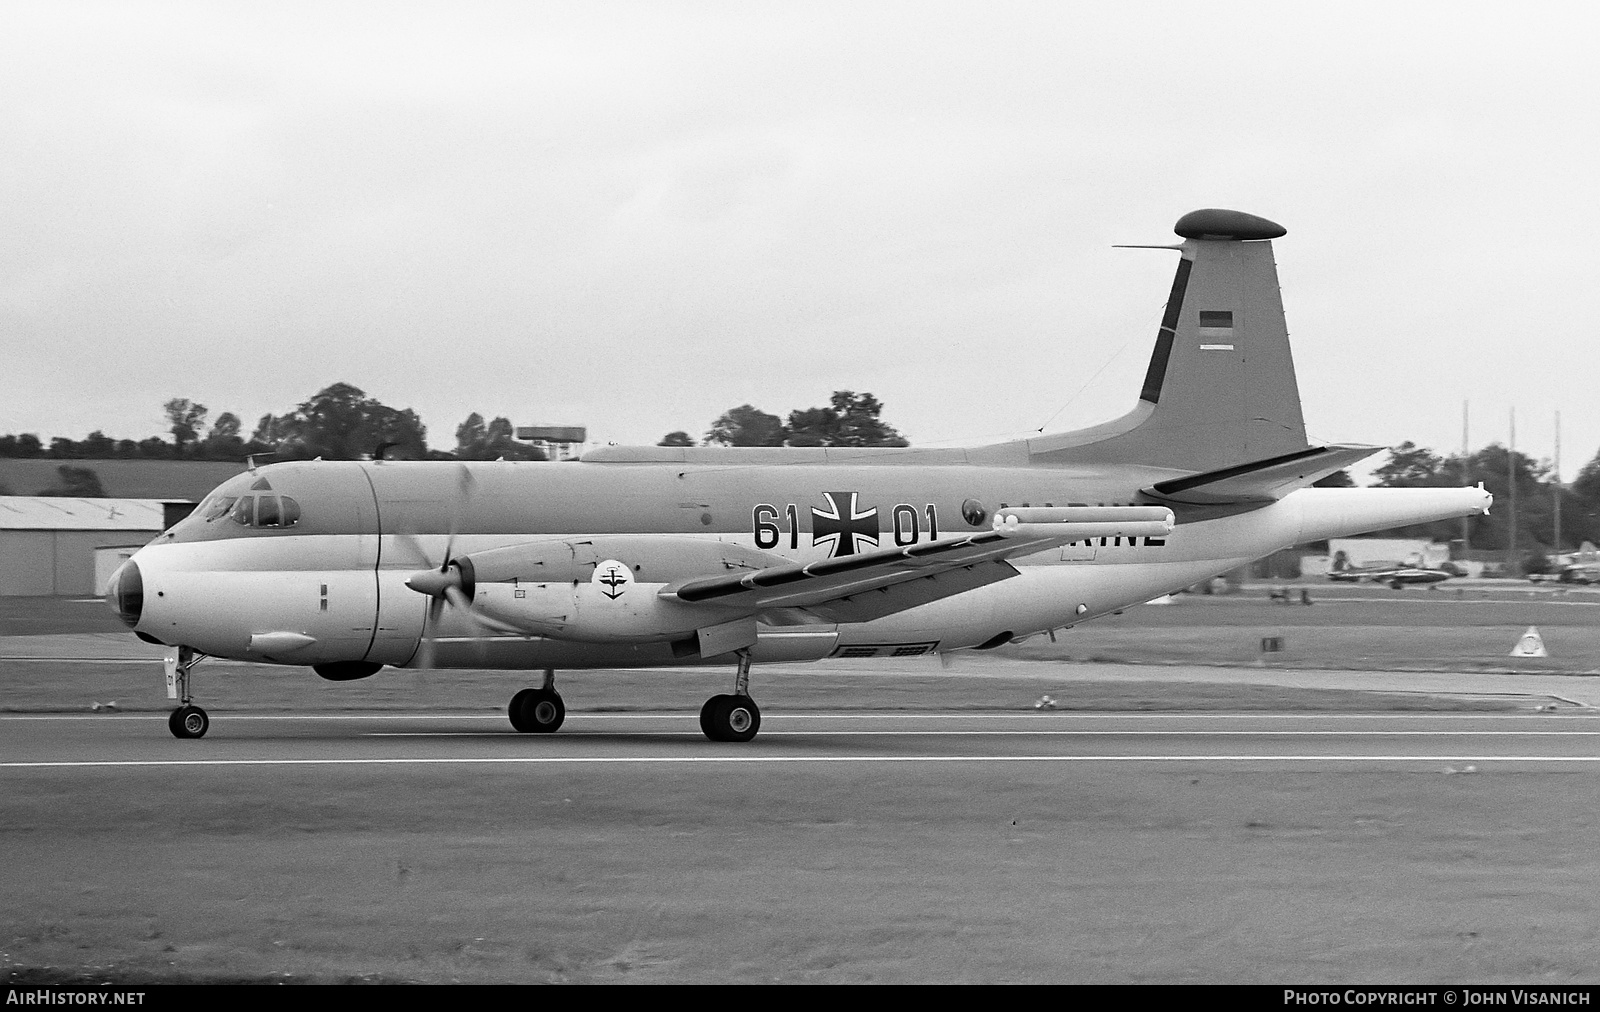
x,y
188,720
732,717
539,711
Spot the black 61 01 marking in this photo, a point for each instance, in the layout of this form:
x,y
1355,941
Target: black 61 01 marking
x,y
906,521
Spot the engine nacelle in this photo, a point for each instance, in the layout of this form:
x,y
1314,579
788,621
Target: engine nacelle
x,y
610,608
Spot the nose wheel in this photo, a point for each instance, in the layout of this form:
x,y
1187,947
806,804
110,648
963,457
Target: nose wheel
x,y
732,717
538,711
188,720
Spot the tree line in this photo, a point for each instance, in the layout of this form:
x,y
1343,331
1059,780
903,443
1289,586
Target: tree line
x,y
339,422
849,419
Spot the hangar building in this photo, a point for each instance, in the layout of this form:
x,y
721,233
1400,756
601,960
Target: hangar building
x,y
59,546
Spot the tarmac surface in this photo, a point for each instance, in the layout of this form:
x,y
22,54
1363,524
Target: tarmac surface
x,y
894,821
394,742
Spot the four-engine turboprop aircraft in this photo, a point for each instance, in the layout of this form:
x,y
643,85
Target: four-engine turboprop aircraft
x,y
660,556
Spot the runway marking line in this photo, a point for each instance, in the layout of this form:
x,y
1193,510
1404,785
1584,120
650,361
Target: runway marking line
x,y
1081,733
974,715
687,760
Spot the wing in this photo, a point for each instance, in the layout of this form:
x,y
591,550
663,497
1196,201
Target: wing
x,y
858,588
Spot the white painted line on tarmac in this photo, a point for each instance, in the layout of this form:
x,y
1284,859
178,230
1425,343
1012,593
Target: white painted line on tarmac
x,y
973,715
1454,600
780,760
1069,732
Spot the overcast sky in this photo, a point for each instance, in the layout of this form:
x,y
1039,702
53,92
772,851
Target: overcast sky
x,y
633,217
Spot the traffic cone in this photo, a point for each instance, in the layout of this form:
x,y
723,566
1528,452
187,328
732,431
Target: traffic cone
x,y
1530,645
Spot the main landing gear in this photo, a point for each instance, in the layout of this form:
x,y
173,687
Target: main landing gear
x,y
188,720
540,710
733,717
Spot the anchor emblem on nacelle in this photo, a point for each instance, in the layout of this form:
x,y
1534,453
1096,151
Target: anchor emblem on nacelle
x,y
613,577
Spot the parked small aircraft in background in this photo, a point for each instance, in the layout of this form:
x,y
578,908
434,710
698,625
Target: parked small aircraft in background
x,y
1584,567
1394,576
662,556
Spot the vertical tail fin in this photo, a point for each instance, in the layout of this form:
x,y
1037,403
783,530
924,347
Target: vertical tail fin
x,y
1220,389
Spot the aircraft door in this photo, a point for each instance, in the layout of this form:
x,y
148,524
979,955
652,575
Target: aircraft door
x,y
401,611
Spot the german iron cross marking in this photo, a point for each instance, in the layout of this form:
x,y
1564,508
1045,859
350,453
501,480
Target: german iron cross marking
x,y
841,527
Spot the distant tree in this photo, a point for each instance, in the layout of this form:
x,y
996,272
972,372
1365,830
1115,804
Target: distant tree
x,y
676,438
25,445
746,425
186,418
97,445
851,419
470,435
1587,485
811,427
1338,479
155,447
341,422
223,441
1410,466
61,446
271,431
496,440
127,448
77,483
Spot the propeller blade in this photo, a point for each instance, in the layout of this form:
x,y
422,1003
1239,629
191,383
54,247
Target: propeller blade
x,y
429,630
466,488
413,545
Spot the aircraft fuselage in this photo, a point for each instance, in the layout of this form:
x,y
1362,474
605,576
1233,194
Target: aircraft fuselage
x,y
330,585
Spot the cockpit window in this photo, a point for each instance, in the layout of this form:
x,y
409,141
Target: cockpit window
x,y
216,506
267,514
265,510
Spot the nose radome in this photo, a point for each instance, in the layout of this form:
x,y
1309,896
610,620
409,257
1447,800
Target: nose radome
x,y
125,593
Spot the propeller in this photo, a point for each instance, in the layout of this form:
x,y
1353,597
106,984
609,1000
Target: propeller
x,y
451,583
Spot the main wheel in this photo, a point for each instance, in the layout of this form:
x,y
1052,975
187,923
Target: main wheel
x,y
188,722
706,725
539,711
730,718
514,709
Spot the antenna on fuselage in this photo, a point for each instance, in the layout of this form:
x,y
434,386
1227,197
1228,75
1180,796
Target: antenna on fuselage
x,y
250,459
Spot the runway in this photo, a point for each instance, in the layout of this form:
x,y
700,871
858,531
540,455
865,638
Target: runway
x,y
836,846
1238,741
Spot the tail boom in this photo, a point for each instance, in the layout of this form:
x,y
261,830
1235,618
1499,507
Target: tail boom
x,y
1337,512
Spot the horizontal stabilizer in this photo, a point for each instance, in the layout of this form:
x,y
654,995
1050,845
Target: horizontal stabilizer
x,y
1261,480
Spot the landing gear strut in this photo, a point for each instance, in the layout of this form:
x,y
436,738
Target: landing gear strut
x,y
539,710
188,720
735,717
